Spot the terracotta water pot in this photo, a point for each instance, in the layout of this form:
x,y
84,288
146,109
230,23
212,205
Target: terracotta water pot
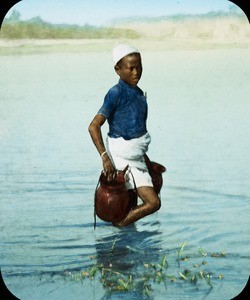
x,y
155,171
112,200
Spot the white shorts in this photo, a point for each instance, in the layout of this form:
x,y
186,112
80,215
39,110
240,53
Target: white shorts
x,y
142,178
141,175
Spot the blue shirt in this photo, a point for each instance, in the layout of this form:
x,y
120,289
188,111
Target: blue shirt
x,y
125,108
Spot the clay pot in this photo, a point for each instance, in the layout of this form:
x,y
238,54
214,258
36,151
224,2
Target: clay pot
x,y
155,171
112,200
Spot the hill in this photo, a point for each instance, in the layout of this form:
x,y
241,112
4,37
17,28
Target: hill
x,y
213,27
211,30
36,28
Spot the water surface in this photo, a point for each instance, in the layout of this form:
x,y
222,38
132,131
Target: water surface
x,y
199,122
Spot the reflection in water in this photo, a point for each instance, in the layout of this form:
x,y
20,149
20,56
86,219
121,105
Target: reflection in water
x,y
127,250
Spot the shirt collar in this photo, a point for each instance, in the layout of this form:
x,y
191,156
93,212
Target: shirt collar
x,y
128,86
123,83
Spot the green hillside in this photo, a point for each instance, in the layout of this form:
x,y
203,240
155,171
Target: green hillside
x,y
36,28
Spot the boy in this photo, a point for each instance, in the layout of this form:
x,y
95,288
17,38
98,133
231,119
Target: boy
x,y
125,108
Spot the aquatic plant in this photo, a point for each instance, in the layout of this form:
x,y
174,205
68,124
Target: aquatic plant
x,y
151,274
181,250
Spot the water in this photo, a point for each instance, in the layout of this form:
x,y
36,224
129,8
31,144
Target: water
x,y
199,122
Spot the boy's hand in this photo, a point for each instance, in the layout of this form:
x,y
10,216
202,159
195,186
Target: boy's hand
x,y
108,168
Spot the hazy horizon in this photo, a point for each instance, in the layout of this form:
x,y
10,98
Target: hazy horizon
x,y
130,19
99,13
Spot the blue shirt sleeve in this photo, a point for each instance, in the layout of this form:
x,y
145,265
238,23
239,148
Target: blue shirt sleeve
x,y
110,103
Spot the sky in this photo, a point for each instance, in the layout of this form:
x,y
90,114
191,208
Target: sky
x,y
103,12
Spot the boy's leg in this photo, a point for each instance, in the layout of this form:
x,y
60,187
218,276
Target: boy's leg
x,y
151,203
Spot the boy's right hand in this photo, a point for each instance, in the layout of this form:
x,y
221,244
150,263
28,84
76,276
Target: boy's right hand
x,y
108,168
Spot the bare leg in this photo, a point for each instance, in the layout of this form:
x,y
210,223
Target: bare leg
x,y
151,203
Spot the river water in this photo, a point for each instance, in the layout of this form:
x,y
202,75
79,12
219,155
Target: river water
x,y
199,122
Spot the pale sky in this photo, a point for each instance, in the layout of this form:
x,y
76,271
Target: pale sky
x,y
102,12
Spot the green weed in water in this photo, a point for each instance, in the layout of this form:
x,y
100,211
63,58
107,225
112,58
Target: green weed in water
x,y
181,250
149,274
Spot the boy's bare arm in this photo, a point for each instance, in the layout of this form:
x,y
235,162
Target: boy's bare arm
x,y
96,135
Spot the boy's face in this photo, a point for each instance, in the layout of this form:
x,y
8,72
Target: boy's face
x,y
130,69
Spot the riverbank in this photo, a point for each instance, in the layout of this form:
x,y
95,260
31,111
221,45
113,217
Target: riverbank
x,y
39,46
178,32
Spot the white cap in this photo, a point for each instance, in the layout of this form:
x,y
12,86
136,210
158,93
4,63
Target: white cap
x,y
121,50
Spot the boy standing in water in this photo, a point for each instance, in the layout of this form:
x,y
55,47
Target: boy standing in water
x,y
125,108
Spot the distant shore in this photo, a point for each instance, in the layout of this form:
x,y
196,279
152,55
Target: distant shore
x,y
36,46
179,32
